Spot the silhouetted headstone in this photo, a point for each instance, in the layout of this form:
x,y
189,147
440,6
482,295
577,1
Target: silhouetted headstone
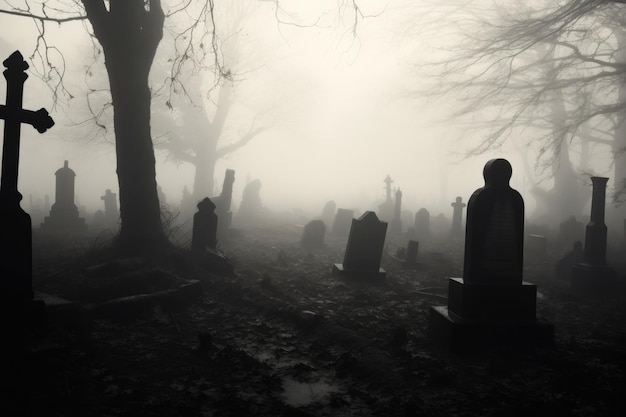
x,y
491,304
251,200
571,231
16,265
364,249
395,228
593,274
204,234
422,224
313,235
328,213
223,202
64,216
410,259
111,213
457,217
342,222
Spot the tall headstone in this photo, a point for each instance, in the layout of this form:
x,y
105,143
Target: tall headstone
x,y
16,266
204,233
422,224
593,274
457,217
111,213
364,249
395,228
223,202
251,200
491,304
64,216
313,235
328,212
342,222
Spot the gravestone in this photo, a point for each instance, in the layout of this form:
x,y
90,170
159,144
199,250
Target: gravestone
x,y
422,224
64,216
364,249
17,304
410,258
593,274
457,217
251,204
571,231
342,222
204,232
222,204
491,304
328,212
313,235
395,227
111,213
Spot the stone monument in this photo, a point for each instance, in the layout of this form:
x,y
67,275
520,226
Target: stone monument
x,y
491,304
64,216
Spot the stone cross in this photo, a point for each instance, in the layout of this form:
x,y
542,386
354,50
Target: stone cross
x,y
457,217
15,224
110,206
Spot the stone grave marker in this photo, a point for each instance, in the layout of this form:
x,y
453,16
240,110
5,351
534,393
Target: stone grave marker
x,y
364,249
571,231
491,304
204,232
422,224
16,264
251,204
342,222
313,235
457,217
328,212
223,203
111,213
395,227
410,258
593,274
64,217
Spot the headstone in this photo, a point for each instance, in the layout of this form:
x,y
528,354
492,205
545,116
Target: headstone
x,y
313,235
593,273
111,213
16,266
571,231
422,224
385,210
491,304
342,222
457,217
563,267
223,202
395,228
410,258
328,212
204,233
251,200
64,216
364,249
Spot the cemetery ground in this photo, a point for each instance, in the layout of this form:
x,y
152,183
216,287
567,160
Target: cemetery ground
x,y
282,337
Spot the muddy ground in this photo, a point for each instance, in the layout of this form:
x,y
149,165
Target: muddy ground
x,y
282,337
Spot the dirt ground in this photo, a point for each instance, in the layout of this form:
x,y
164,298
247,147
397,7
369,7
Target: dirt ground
x,y
282,337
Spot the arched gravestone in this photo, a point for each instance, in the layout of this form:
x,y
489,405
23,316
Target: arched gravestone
x,y
64,216
491,304
313,235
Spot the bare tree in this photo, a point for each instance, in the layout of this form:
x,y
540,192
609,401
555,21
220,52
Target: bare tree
x,y
554,71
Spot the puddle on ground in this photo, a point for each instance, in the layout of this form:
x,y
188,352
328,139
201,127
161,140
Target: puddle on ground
x,y
299,394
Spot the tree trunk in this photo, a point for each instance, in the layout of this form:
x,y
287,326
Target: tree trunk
x,y
129,34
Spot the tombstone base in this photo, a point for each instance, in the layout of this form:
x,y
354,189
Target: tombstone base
x,y
460,334
489,302
593,279
339,271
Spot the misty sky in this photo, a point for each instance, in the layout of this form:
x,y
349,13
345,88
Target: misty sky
x,y
338,116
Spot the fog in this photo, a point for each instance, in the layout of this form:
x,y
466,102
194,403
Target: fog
x,y
339,120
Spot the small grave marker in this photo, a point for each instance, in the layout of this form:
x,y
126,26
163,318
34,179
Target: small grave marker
x,y
204,233
313,235
342,222
457,217
64,216
364,249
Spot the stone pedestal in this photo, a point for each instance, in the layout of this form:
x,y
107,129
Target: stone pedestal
x,y
340,271
587,278
486,315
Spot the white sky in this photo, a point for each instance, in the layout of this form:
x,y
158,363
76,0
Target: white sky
x,y
340,125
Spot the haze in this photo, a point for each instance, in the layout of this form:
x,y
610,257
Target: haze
x,y
336,106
